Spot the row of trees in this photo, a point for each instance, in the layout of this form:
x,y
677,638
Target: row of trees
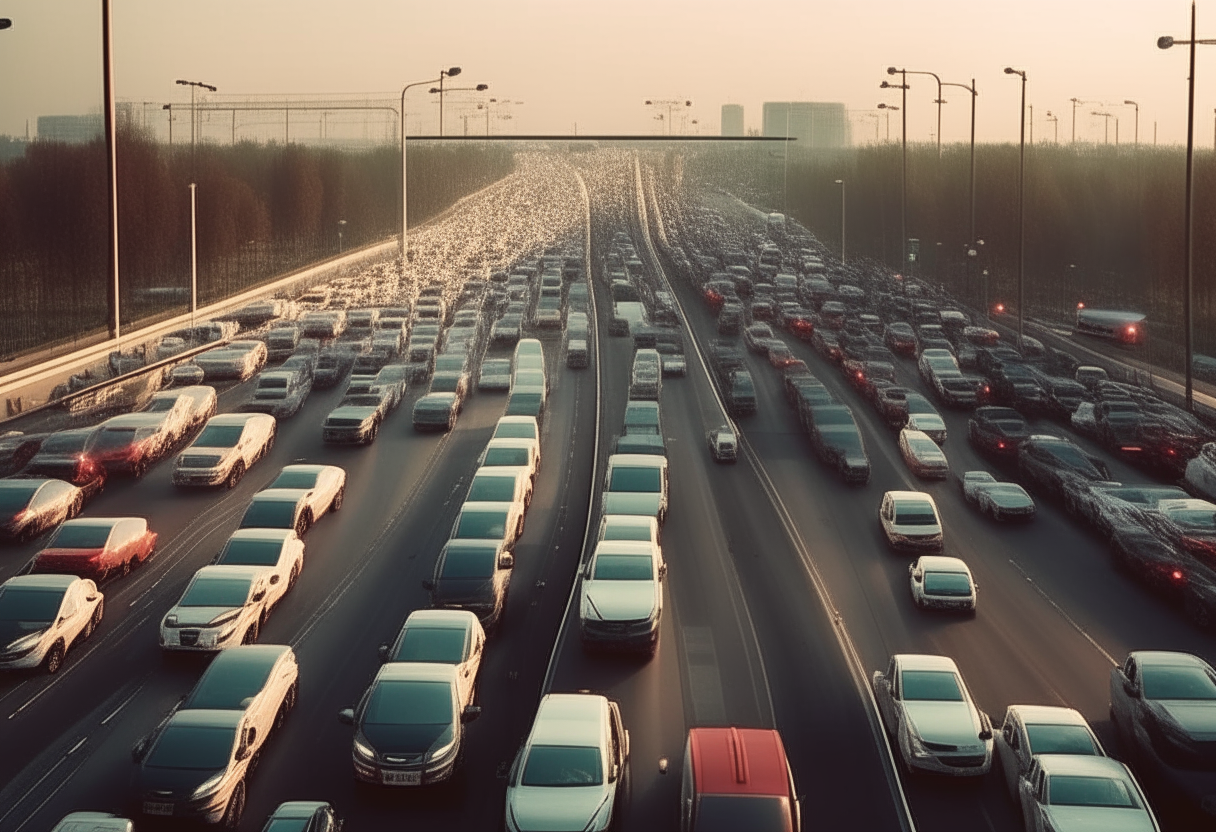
x,y
1104,225
262,210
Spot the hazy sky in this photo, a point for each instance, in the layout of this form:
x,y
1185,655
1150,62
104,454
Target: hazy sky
x,y
594,63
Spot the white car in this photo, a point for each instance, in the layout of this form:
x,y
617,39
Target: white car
x,y
1201,473
999,500
910,520
922,455
202,399
629,527
453,637
723,444
93,822
42,616
567,774
178,409
636,484
234,360
1064,791
512,452
927,709
942,583
1030,730
228,446
326,486
501,484
222,606
495,374
930,424
622,596
489,521
517,427
279,550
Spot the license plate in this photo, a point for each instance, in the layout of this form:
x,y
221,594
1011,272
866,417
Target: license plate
x,y
402,778
165,809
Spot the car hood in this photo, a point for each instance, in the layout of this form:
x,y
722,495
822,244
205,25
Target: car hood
x,y
1098,819
555,809
626,502
199,616
403,739
951,723
1004,499
1198,719
620,600
10,631
178,782
927,422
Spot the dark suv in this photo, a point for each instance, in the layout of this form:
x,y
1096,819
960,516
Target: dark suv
x,y
997,430
1054,465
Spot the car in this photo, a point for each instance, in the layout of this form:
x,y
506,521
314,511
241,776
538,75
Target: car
x,y
569,771
279,508
179,413
636,484
717,793
303,364
374,397
517,427
910,520
303,816
436,411
453,637
279,550
1063,791
924,417
892,403
235,360
927,709
1015,384
1057,466
93,822
229,446
489,521
473,575
194,767
1029,730
757,337
739,391
622,596
280,393
922,455
495,374
723,444
44,616
1188,523
527,401
998,500
501,484
451,382
326,485
96,547
31,506
222,606
837,441
1200,475
409,725
629,527
354,423
132,443
1063,395
1110,506
900,338
1090,377
61,456
942,583
997,430
512,452
392,381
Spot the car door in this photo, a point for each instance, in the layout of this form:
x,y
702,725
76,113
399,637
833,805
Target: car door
x,y
1012,748
884,515
1028,795
884,692
70,623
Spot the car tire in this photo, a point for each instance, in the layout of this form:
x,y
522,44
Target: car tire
x,y
235,808
251,635
139,468
304,523
234,476
54,658
336,503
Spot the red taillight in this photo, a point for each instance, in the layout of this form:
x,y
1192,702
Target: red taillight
x,y
1080,305
1000,446
1131,330
860,375
1177,575
1171,452
1000,309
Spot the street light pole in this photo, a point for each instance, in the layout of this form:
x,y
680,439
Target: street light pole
x,y
888,108
1021,206
107,75
974,94
903,184
1131,103
1106,129
450,73
193,85
840,182
938,101
1055,123
341,225
1165,43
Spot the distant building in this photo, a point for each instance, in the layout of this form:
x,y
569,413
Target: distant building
x,y
732,120
817,125
83,129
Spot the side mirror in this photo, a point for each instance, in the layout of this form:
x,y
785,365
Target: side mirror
x,y
1130,688
382,652
139,750
470,713
986,734
274,579
346,716
916,576
428,585
61,621
506,561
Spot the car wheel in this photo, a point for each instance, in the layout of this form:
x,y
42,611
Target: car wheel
x,y
236,807
234,476
304,523
125,569
251,635
140,468
336,503
54,658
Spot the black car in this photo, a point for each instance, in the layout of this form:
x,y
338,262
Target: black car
x,y
810,394
473,575
988,359
303,816
900,338
1055,465
1015,385
997,430
837,442
740,393
1118,425
62,456
1063,395
1109,508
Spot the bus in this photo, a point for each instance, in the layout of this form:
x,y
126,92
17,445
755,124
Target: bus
x,y
1127,328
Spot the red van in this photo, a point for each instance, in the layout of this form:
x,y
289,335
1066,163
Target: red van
x,y
737,778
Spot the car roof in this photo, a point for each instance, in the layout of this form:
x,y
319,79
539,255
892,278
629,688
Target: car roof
x,y
1185,504
228,570
1149,658
238,418
923,661
298,809
739,761
280,495
40,582
625,547
918,435
445,619
311,469
247,655
280,535
568,719
99,521
940,563
629,520
416,672
909,497
1082,765
207,718
133,420
512,442
501,471
637,461
445,399
1048,715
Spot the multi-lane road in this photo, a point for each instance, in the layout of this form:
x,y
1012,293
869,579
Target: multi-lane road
x,y
781,599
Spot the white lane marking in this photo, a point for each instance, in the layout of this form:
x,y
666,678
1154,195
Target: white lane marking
x,y
1043,594
122,705
39,782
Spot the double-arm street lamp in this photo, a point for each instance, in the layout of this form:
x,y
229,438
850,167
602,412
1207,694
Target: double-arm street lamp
x,y
1021,205
974,94
194,86
1075,102
888,108
903,182
1055,123
1106,130
1165,43
939,101
445,73
1130,103
440,90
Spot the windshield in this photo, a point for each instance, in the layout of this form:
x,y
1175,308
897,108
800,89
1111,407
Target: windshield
x,y
1177,683
68,443
492,489
270,514
482,524
952,584
1070,790
216,592
923,447
732,812
16,496
34,605
108,439
1194,518
296,479
915,516
409,703
219,436
624,568
506,456
193,747
930,686
80,536
1060,739
444,645
463,563
247,552
825,416
563,765
626,531
636,480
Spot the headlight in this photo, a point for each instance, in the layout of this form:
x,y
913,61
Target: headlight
x,y
364,750
171,620
916,746
26,643
442,751
208,787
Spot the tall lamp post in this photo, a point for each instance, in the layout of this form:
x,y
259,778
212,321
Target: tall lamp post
x,y
974,94
888,108
1075,102
671,107
840,182
1021,206
939,101
440,90
903,181
1106,130
107,75
193,85
1130,103
446,73
1055,123
1165,43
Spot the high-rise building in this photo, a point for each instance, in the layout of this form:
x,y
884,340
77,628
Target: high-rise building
x,y
816,125
732,119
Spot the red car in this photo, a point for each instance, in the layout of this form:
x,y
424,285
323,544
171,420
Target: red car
x,y
737,778
97,547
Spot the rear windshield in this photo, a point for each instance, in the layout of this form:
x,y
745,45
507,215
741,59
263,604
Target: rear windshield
x,y
295,479
1071,790
623,568
13,498
225,686
492,489
506,456
514,430
915,516
442,645
461,563
931,685
482,524
1060,739
954,584
626,531
73,442
108,439
219,436
1178,683
755,813
80,536
246,552
269,514
192,747
636,480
